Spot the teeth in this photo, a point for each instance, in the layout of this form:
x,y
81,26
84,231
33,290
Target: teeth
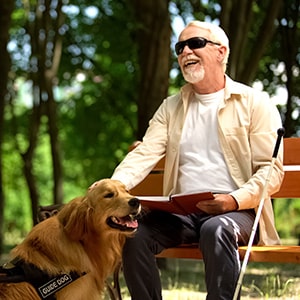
x,y
115,220
190,62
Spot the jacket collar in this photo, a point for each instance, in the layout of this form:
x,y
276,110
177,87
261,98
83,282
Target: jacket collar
x,y
231,88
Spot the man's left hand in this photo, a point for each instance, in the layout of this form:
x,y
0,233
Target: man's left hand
x,y
222,203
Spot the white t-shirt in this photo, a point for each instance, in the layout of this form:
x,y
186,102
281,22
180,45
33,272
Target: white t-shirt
x,y
201,164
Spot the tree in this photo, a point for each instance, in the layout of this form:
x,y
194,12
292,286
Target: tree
x,y
46,45
288,35
153,38
6,8
280,64
250,31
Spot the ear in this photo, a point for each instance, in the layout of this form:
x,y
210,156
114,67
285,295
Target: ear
x,y
222,50
74,217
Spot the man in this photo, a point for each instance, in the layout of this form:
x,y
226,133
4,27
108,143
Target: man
x,y
217,135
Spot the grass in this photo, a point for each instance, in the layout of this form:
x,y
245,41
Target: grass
x,y
183,279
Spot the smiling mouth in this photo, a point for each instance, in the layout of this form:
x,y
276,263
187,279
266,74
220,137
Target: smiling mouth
x,y
190,63
126,223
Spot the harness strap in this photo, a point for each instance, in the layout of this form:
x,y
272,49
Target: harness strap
x,y
11,273
46,285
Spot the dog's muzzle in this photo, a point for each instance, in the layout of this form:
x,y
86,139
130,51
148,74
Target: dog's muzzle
x,y
129,222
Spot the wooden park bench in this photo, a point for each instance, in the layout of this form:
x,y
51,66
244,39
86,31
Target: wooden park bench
x,y
290,189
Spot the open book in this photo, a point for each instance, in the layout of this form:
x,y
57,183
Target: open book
x,y
182,204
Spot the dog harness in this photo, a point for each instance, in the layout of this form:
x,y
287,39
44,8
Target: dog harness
x,y
46,285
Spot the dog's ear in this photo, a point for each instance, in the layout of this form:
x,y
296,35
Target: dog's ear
x,y
74,218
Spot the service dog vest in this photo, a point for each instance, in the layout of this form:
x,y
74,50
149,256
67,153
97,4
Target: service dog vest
x,y
46,285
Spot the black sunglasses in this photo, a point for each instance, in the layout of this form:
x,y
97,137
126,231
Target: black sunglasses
x,y
193,43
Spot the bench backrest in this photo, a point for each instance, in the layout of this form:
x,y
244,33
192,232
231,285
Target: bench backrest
x,y
290,187
152,185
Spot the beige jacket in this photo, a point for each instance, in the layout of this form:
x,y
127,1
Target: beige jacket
x,y
247,126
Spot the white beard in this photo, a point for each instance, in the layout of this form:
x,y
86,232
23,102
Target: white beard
x,y
192,76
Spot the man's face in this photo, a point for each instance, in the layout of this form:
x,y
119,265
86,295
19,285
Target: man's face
x,y
195,63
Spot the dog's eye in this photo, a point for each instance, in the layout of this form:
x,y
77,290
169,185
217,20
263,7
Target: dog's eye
x,y
109,195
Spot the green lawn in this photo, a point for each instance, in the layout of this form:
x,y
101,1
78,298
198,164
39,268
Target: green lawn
x,y
183,279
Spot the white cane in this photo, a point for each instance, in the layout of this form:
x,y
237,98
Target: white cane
x,y
280,133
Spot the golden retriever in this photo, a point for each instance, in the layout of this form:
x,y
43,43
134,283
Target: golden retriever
x,y
84,239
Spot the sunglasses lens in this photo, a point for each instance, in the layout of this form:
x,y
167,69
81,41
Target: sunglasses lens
x,y
193,43
196,43
179,47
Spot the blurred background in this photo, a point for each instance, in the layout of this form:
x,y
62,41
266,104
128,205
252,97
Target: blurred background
x,y
80,80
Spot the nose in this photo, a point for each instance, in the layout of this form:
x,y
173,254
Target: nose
x,y
186,49
134,202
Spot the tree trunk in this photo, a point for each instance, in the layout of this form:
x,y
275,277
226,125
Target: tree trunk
x,y
46,65
49,78
55,149
6,8
153,37
288,53
28,156
243,60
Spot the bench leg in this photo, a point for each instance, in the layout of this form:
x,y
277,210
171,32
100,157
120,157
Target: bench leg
x,y
113,287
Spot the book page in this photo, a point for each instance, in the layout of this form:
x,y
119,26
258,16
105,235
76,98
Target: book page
x,y
154,198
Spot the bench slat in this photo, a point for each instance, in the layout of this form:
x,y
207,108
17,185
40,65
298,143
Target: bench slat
x,y
278,254
290,187
291,151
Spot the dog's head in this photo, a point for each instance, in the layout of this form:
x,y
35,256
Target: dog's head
x,y
106,206
118,206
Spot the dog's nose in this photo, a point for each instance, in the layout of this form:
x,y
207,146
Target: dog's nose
x,y
134,202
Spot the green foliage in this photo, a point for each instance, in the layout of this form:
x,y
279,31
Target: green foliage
x,y
96,93
99,117
96,105
17,200
287,216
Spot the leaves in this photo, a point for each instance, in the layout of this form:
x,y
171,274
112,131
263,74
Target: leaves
x,y
113,73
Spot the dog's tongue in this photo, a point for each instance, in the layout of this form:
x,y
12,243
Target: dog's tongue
x,y
128,222
132,223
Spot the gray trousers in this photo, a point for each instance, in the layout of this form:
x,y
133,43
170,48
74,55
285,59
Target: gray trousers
x,y
218,237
